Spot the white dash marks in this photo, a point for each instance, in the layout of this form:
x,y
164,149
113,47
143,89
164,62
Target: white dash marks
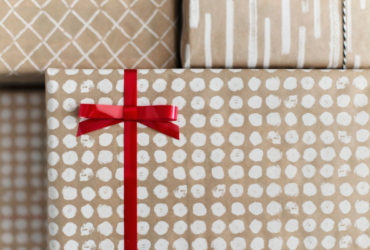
x,y
252,46
335,31
229,33
363,4
301,47
285,29
267,54
305,6
317,18
349,26
207,40
194,14
357,63
187,57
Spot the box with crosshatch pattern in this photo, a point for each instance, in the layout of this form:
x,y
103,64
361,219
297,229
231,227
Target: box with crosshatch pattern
x,y
22,171
36,35
267,159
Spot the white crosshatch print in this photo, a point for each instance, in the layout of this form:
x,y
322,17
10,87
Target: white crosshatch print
x,y
135,44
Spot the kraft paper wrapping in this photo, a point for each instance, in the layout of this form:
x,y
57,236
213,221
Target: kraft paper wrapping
x,y
22,171
36,35
273,159
262,34
357,34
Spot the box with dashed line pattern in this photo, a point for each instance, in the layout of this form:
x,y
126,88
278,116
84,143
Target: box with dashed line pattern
x,y
267,34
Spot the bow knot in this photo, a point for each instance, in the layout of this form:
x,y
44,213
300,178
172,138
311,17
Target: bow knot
x,y
130,113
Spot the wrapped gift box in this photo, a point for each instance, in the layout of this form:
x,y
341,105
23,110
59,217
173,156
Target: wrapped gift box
x,y
22,170
266,159
263,34
357,34
85,34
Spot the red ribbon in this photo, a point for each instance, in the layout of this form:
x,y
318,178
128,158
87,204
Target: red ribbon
x,y
156,117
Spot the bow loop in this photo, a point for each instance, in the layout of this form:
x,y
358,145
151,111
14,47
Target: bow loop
x,y
160,113
100,111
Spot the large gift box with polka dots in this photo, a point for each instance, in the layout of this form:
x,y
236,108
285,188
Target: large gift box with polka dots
x,y
22,170
267,159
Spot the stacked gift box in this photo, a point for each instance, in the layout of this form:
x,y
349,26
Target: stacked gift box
x,y
23,184
171,155
273,159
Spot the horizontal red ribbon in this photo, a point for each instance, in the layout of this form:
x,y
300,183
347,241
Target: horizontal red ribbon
x,y
156,117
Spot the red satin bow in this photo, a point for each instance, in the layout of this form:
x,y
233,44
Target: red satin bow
x,y
156,117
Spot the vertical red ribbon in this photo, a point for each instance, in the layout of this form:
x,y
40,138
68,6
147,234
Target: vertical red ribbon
x,y
158,118
130,164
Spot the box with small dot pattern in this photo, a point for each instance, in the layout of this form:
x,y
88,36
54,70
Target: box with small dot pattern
x,y
22,170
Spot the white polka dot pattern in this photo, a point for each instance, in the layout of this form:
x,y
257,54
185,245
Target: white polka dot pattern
x,y
22,171
266,160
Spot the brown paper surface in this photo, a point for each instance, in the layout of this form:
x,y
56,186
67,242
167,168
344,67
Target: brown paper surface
x,y
262,34
22,171
273,159
357,34
36,35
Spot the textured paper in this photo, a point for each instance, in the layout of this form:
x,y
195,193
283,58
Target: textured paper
x,y
262,34
272,159
357,34
36,35
22,170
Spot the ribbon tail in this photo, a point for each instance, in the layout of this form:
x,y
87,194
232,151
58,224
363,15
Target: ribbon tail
x,y
100,111
91,125
167,128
